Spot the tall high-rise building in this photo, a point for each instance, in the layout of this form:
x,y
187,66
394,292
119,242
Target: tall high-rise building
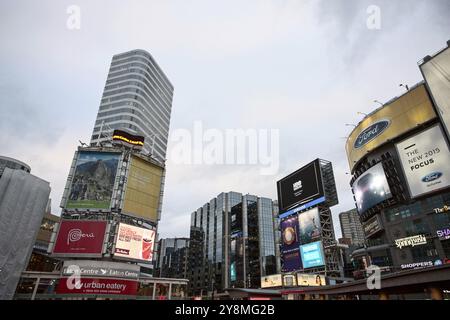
x,y
137,97
351,226
232,243
171,258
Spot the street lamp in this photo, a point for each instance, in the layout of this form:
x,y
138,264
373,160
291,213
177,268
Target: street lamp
x,y
404,85
376,101
362,113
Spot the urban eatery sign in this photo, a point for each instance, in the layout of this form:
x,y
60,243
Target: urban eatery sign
x,y
411,241
370,133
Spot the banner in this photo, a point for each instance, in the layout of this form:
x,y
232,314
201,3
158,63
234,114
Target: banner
x,y
79,238
425,159
134,243
105,286
309,226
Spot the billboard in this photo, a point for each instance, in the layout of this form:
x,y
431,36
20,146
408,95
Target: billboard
x,y
143,189
93,180
392,120
309,226
302,186
372,226
290,245
443,234
97,286
80,238
425,159
371,188
134,243
312,255
128,138
272,281
289,280
108,269
311,280
436,72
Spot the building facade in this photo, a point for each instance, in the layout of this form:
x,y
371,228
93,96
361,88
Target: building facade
x,y
351,227
399,160
171,258
138,98
6,162
232,243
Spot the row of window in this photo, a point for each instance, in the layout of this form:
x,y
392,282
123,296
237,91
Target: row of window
x,y
142,96
120,59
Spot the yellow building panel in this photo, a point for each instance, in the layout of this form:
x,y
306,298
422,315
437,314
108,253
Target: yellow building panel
x,y
143,189
403,114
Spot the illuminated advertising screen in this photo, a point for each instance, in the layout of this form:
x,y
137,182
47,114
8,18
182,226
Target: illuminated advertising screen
x,y
290,245
312,255
233,271
302,186
143,190
309,226
425,159
436,72
134,243
272,281
310,280
78,238
93,180
128,138
371,188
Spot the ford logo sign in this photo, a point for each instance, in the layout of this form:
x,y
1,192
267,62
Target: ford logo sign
x,y
432,176
370,133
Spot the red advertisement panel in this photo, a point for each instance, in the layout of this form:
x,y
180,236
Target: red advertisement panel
x,y
82,285
82,238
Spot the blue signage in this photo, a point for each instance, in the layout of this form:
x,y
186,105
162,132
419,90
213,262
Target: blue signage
x,y
312,255
302,207
370,133
432,176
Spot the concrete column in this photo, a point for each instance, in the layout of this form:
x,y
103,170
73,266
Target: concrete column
x,y
384,296
436,294
154,291
33,296
170,292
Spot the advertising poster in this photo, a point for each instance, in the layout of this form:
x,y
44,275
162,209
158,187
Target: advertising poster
x,y
425,159
309,226
97,286
311,280
233,271
299,187
436,73
93,181
371,188
134,243
312,255
80,238
275,280
289,245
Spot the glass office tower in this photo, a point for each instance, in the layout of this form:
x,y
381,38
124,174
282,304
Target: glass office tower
x,y
138,98
232,243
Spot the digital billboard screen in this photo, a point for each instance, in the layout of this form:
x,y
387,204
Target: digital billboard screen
x,y
78,238
134,243
143,190
310,280
371,188
436,73
302,186
290,251
309,226
312,255
93,180
425,159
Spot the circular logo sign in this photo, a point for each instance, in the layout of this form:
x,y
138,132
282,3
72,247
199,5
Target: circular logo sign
x,y
370,133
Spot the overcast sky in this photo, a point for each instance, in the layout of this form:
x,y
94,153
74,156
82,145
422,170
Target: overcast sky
x,y
303,67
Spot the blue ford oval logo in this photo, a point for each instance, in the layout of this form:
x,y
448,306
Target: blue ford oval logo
x,y
432,176
371,132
